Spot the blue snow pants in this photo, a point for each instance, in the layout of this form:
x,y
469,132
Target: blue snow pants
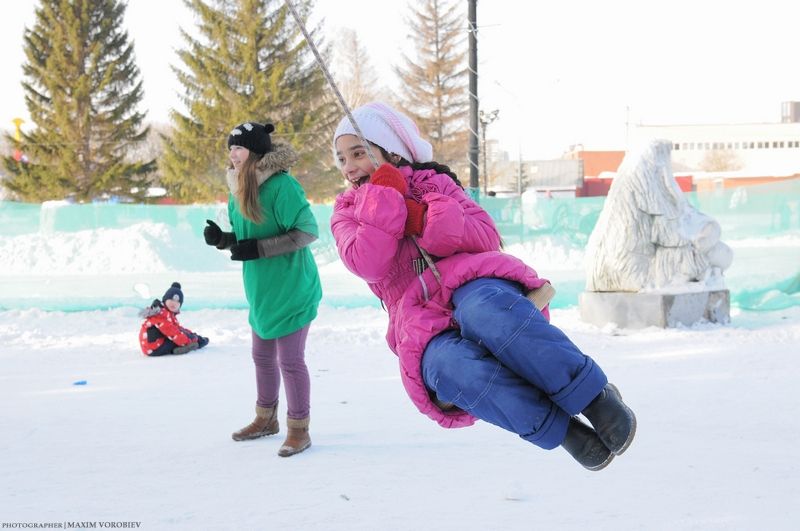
x,y
508,366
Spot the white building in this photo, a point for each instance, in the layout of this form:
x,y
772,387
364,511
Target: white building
x,y
752,150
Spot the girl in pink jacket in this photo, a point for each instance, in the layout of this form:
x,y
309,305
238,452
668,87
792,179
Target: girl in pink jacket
x,y
469,342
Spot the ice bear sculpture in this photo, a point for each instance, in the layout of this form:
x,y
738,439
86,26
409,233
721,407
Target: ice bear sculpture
x,y
648,236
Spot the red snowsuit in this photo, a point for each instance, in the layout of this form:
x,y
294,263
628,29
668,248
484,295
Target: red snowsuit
x,y
159,325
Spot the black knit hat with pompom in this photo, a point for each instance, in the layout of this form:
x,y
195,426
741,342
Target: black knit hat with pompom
x,y
253,136
174,292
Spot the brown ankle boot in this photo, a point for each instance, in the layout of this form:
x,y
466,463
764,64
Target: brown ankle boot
x,y
297,439
265,423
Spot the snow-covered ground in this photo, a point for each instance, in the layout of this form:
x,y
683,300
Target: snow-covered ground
x,y
148,439
91,431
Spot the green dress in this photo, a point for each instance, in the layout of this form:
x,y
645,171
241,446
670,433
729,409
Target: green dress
x,y
283,291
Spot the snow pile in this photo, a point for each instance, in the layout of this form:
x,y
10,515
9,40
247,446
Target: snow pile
x,y
140,248
549,254
100,268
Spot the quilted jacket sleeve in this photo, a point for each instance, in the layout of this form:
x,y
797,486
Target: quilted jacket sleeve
x,y
171,329
367,224
455,223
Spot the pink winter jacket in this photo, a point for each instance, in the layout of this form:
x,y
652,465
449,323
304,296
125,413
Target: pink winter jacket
x,y
368,224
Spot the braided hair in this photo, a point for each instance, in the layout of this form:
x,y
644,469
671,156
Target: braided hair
x,y
438,168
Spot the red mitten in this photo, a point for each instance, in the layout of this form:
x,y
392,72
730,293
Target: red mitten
x,y
416,217
388,175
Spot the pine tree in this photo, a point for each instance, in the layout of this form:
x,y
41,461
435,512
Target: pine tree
x,y
249,62
81,89
355,76
433,85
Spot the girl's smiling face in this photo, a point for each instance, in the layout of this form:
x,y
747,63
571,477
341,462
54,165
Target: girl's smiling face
x,y
353,160
238,155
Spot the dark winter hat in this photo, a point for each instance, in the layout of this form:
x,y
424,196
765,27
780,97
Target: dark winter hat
x,y
174,292
253,136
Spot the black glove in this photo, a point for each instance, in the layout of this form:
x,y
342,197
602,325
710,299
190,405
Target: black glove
x,y
245,250
214,236
212,233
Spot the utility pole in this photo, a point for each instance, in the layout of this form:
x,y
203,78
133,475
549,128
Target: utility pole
x,y
473,99
486,119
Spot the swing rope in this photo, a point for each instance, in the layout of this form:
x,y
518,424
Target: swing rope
x,y
427,257
331,82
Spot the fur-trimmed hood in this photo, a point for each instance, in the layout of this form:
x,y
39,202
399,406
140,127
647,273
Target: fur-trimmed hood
x,y
281,158
151,310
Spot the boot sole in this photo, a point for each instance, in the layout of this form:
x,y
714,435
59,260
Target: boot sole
x,y
629,440
582,455
289,451
253,437
602,465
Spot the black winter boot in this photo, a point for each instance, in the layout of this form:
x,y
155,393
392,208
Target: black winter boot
x,y
186,348
585,446
613,421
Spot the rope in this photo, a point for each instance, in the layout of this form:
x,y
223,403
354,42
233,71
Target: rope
x,y
428,260
332,83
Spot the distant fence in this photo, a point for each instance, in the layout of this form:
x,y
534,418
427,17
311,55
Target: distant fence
x,y
746,213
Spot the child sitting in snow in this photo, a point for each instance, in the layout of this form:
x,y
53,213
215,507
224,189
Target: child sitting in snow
x,y
161,333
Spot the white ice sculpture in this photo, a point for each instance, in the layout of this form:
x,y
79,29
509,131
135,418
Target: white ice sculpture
x,y
648,236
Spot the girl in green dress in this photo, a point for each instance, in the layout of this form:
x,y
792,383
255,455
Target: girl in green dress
x,y
272,227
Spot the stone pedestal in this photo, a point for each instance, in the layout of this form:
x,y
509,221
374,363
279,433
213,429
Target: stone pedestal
x,y
665,310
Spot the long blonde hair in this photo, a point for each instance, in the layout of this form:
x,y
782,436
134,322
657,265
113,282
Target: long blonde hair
x,y
247,189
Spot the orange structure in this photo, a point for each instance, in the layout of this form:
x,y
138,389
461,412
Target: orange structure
x,y
596,162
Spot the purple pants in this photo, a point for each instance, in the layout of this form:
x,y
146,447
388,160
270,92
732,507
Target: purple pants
x,y
283,355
